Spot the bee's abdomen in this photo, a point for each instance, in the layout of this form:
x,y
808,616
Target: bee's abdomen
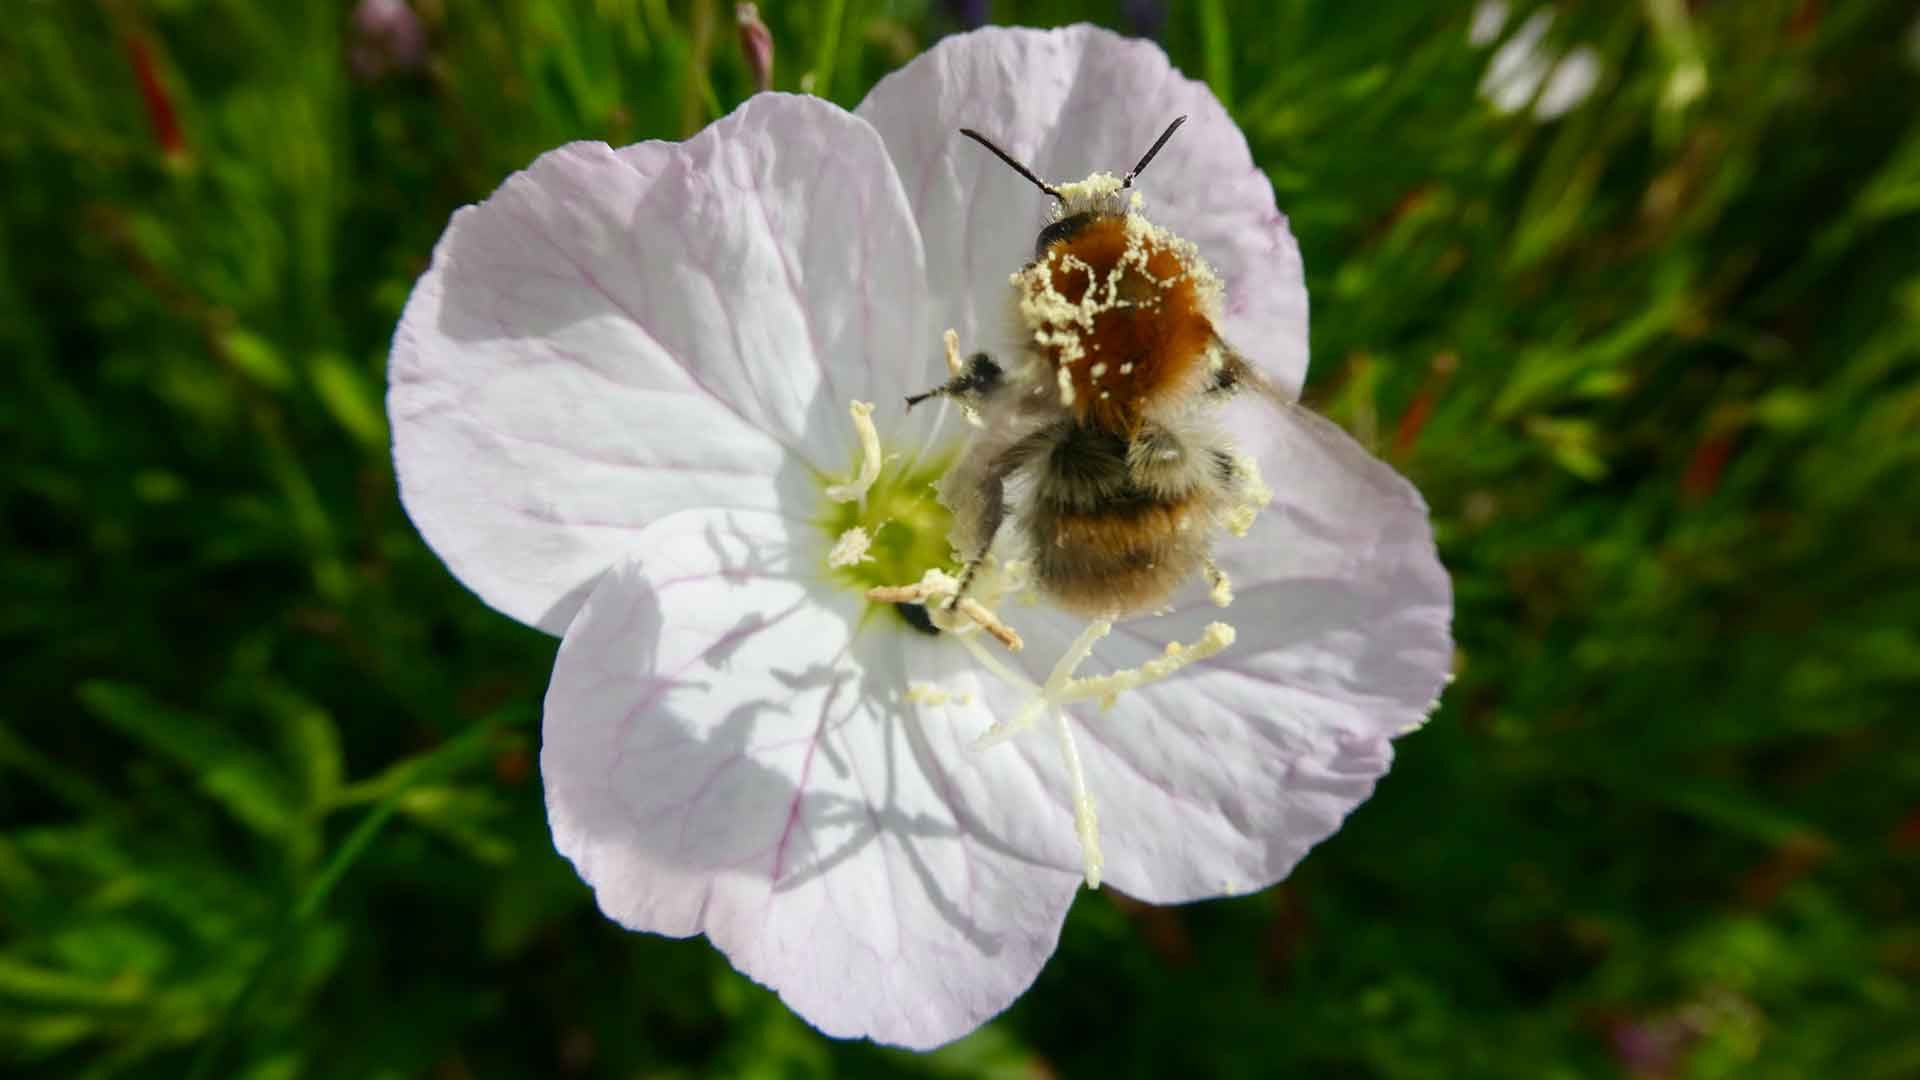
x,y
1123,556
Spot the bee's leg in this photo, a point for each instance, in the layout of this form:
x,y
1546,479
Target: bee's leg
x,y
1219,585
1233,373
976,381
985,498
992,510
1237,374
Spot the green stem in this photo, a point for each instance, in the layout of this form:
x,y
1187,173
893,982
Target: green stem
x,y
1217,50
344,857
828,53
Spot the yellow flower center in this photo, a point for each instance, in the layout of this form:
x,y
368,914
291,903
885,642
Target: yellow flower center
x,y
892,529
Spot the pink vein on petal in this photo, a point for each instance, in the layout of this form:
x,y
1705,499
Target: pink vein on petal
x,y
592,281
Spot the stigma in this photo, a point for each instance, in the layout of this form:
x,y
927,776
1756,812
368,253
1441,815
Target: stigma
x,y
964,623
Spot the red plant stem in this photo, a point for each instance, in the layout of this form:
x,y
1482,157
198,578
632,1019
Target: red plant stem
x,y
153,92
1704,468
1420,409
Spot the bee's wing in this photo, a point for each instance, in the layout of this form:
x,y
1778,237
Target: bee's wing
x,y
1302,436
1238,375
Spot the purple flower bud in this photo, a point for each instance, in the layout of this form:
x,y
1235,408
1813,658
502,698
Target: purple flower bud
x,y
756,44
384,38
969,13
1144,17
1651,1047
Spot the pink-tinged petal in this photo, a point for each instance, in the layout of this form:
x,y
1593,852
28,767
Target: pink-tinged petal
x,y
1071,102
726,752
617,335
1343,613
1015,793
1219,780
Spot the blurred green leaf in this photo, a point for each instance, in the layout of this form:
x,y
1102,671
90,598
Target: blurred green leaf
x,y
240,778
351,400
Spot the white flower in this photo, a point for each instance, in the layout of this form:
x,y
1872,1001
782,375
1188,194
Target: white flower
x,y
1524,72
620,398
1489,18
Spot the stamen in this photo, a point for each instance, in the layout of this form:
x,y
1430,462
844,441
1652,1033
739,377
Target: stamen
x,y
870,457
850,549
1107,688
926,693
955,365
988,621
1065,378
993,665
1086,822
936,586
1049,692
1061,687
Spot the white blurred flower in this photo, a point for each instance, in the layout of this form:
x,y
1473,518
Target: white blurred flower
x,y
1569,84
1524,71
1489,18
384,37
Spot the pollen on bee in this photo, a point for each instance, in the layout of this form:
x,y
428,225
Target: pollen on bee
x,y
1220,589
1124,288
1252,496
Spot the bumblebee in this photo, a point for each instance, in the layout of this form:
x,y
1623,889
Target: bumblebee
x,y
1097,443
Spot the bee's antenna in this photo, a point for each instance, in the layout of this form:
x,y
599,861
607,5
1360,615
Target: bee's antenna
x,y
1022,169
1152,150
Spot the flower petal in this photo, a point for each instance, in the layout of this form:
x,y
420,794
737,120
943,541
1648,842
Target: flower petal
x,y
1218,780
1343,613
613,336
1071,102
726,752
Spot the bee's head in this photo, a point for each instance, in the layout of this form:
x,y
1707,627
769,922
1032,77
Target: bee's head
x,y
1064,229
1083,203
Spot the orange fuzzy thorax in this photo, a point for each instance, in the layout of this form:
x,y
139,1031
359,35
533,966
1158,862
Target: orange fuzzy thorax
x,y
1121,311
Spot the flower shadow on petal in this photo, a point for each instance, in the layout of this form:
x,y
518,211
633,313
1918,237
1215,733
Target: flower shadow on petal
x,y
617,336
652,390
1220,779
705,777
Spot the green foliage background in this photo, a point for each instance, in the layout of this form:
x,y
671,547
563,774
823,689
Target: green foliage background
x,y
268,804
